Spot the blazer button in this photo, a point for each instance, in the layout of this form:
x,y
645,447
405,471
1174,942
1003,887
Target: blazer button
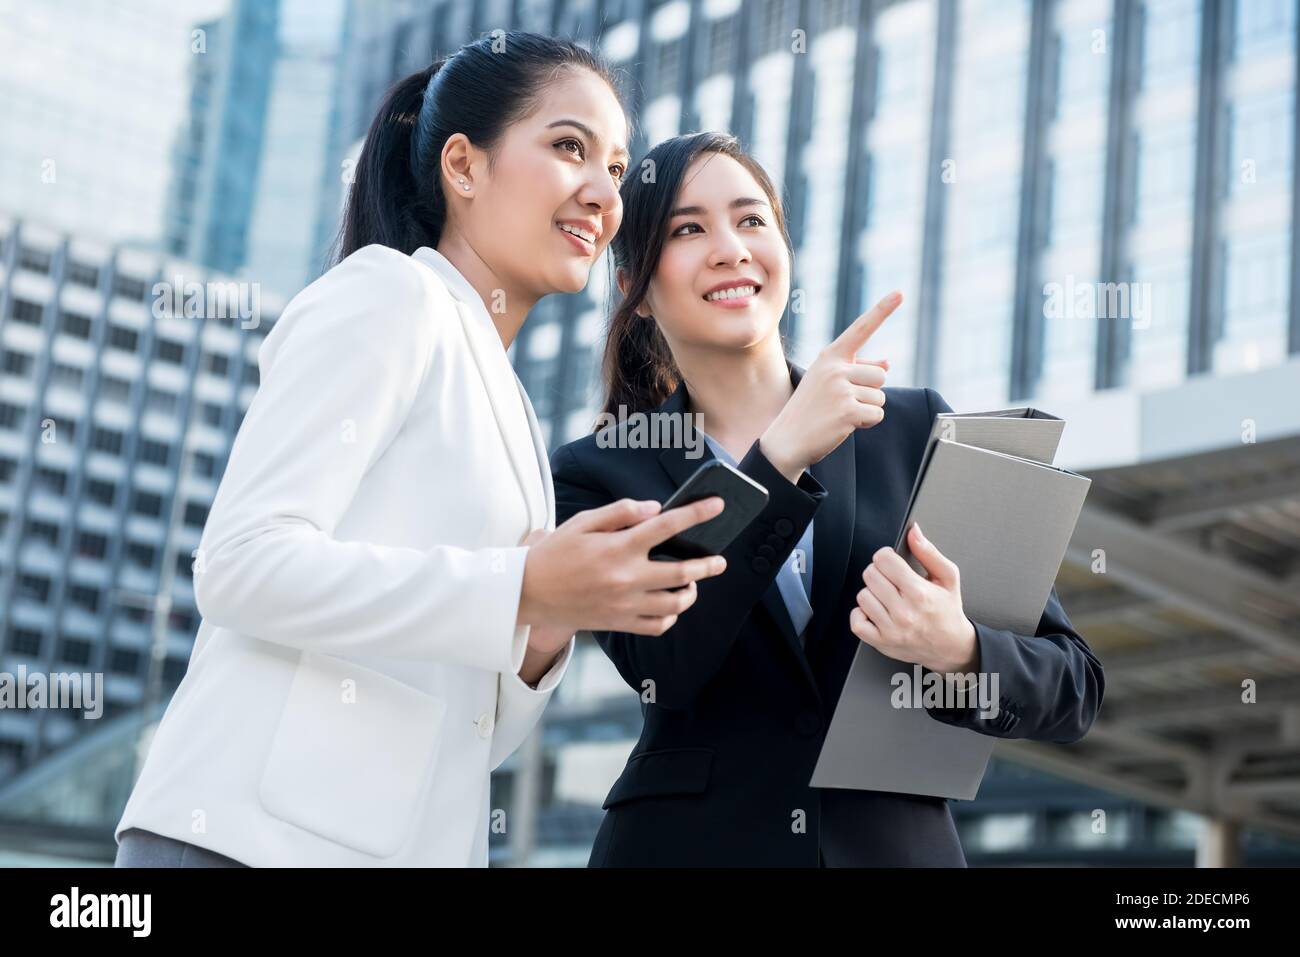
x,y
808,723
776,541
783,526
760,565
765,551
484,724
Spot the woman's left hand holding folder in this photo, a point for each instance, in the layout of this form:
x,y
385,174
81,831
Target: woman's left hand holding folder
x,y
911,618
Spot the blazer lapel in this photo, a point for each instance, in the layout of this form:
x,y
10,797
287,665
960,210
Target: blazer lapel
x,y
512,410
543,462
505,394
833,532
674,460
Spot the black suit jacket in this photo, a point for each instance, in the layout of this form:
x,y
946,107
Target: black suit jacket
x,y
735,707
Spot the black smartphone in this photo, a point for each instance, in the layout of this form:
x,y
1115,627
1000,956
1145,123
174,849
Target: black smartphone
x,y
742,498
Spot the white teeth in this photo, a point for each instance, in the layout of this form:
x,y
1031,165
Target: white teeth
x,y
736,292
579,232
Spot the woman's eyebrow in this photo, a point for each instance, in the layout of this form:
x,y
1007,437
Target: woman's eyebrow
x,y
619,151
734,204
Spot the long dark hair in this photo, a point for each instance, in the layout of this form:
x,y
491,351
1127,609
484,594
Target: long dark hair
x,y
396,197
638,366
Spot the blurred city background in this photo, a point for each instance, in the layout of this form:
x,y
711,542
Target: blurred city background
x,y
977,154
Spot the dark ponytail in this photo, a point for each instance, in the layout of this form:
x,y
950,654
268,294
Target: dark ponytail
x,y
638,367
385,205
396,197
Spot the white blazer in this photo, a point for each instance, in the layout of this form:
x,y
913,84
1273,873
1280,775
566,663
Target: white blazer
x,y
355,676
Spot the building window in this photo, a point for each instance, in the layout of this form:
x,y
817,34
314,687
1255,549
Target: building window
x,y
75,651
135,613
111,387
147,503
666,58
91,545
834,13
196,514
156,453
124,661
722,46
11,416
212,414
70,377
35,260
168,351
25,311
205,464
25,641
34,588
106,440
69,427
120,337
81,274
1261,143
773,22
51,480
128,287
47,532
83,596
218,365
98,490
15,363
78,327
141,555
1164,171
160,401
1261,24
1171,41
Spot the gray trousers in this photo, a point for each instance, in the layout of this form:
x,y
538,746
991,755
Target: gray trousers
x,y
141,848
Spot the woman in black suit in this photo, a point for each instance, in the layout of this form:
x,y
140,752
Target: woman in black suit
x,y
738,693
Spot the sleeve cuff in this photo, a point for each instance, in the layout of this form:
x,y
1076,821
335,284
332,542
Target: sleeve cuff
x,y
757,466
546,684
993,652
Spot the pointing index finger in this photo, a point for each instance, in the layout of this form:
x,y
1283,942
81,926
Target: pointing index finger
x,y
856,335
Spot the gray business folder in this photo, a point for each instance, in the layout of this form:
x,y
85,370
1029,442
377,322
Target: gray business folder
x,y
989,498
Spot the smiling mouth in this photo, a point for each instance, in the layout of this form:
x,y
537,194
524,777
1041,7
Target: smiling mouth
x,y
734,294
586,240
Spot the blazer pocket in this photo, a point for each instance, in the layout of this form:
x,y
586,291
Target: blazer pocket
x,y
662,772
353,755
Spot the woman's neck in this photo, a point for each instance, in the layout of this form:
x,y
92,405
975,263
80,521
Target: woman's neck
x,y
507,307
737,393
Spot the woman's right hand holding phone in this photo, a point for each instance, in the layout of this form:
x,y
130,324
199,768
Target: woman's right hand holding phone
x,y
594,571
838,393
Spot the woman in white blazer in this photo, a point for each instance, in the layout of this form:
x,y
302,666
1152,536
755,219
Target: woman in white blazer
x,y
386,603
